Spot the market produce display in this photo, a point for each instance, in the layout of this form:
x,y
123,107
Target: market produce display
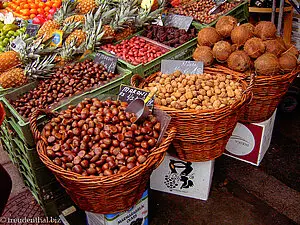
x,y
136,50
249,47
199,10
195,91
68,81
99,138
29,9
167,35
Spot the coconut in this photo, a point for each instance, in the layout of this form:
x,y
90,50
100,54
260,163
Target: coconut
x,y
208,36
287,62
204,53
275,47
239,61
265,30
240,34
292,49
225,25
267,64
222,50
254,47
249,26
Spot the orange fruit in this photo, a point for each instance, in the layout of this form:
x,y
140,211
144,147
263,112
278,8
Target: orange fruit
x,y
46,9
48,3
33,11
40,11
32,16
41,4
25,12
26,6
56,5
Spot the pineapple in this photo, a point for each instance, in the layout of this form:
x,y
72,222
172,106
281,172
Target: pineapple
x,y
75,18
17,76
86,6
123,19
67,8
78,35
14,77
8,60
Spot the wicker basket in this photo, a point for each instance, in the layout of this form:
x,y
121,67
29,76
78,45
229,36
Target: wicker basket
x,y
203,135
111,194
267,94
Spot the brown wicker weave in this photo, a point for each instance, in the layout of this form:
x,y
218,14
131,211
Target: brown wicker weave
x,y
267,94
111,194
203,135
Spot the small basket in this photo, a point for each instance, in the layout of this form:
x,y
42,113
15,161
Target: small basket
x,y
104,195
203,135
267,94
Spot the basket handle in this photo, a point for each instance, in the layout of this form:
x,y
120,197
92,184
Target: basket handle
x,y
33,123
136,80
250,86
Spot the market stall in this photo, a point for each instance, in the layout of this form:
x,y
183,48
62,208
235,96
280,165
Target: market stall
x,y
105,100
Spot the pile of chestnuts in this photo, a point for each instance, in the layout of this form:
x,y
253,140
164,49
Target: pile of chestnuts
x,y
98,138
66,82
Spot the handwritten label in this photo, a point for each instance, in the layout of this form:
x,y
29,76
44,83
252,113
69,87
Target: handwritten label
x,y
109,62
32,29
178,21
186,67
17,44
129,94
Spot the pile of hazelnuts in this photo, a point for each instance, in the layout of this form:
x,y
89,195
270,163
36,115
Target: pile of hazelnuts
x,y
98,138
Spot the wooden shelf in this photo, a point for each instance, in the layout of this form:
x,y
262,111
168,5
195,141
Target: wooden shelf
x,y
268,10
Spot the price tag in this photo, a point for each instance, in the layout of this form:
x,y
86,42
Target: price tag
x,y
128,94
186,67
17,44
178,21
32,29
57,38
109,62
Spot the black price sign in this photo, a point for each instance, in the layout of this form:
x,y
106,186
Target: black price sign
x,y
178,21
186,67
32,29
109,62
128,94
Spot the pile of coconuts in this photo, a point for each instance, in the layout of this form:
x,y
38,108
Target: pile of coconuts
x,y
246,47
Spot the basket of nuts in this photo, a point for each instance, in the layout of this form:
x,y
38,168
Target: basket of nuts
x,y
102,159
204,108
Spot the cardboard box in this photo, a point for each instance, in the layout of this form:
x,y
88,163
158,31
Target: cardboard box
x,y
183,178
137,215
250,142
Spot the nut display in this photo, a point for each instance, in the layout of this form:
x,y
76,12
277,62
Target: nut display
x,y
99,138
136,50
195,91
68,81
199,10
170,36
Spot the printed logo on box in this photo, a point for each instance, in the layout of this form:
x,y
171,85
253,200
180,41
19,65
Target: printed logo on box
x,y
180,175
242,141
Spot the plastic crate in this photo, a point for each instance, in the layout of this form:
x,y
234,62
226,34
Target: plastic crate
x,y
185,51
23,123
52,206
9,148
4,90
241,12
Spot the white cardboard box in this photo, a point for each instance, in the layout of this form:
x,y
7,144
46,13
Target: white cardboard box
x,y
250,142
183,178
137,215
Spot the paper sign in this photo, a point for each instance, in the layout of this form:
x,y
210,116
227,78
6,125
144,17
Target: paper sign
x,y
186,67
178,21
57,38
32,29
109,62
128,94
17,44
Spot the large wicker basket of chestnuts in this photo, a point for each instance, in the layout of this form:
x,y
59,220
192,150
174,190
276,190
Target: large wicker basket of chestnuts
x,y
100,155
